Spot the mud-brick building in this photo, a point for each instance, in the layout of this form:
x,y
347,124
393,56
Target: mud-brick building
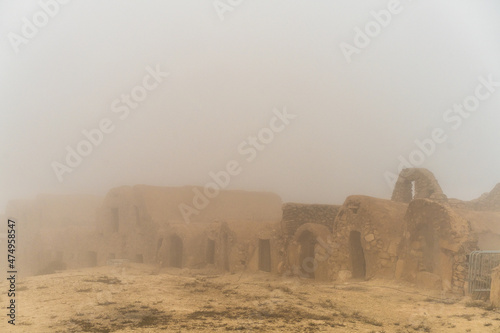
x,y
236,230
367,233
359,239
307,230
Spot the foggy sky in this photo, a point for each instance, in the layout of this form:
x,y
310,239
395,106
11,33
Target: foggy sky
x,y
225,79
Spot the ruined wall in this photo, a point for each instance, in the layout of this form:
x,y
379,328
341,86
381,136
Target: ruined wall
x,y
366,235
134,220
184,246
487,202
227,247
55,211
3,242
295,215
425,186
219,242
67,248
45,226
162,204
368,230
437,242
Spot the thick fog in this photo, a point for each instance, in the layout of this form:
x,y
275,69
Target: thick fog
x,y
313,100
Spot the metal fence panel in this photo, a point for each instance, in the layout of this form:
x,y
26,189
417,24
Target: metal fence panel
x,y
481,263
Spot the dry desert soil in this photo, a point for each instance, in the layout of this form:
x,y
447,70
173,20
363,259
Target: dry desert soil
x,y
141,298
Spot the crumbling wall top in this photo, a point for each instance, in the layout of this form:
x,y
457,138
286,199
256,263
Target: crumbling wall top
x,y
417,183
295,215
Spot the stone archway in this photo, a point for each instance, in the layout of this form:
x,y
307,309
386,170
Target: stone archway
x,y
417,183
357,255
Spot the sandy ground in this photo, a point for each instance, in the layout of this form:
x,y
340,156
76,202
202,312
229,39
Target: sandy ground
x,y
138,298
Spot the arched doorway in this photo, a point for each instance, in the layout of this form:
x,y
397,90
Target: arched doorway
x,y
307,242
357,255
175,253
265,255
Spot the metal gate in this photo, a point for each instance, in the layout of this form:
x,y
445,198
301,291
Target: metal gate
x,y
481,263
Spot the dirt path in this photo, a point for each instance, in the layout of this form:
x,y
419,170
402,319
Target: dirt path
x,y
136,298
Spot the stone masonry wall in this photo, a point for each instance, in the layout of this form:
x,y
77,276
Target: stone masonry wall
x,y
426,186
295,215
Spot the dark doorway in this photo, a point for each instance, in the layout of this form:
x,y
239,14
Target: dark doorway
x,y
211,251
225,251
265,255
307,243
357,255
175,254
115,220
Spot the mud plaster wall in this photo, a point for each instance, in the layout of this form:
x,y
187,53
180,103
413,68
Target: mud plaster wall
x,y
380,225
295,215
126,228
183,246
426,186
235,245
43,226
266,232
162,204
436,244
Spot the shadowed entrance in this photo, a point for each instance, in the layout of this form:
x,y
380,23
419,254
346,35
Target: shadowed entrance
x,y
357,255
265,255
